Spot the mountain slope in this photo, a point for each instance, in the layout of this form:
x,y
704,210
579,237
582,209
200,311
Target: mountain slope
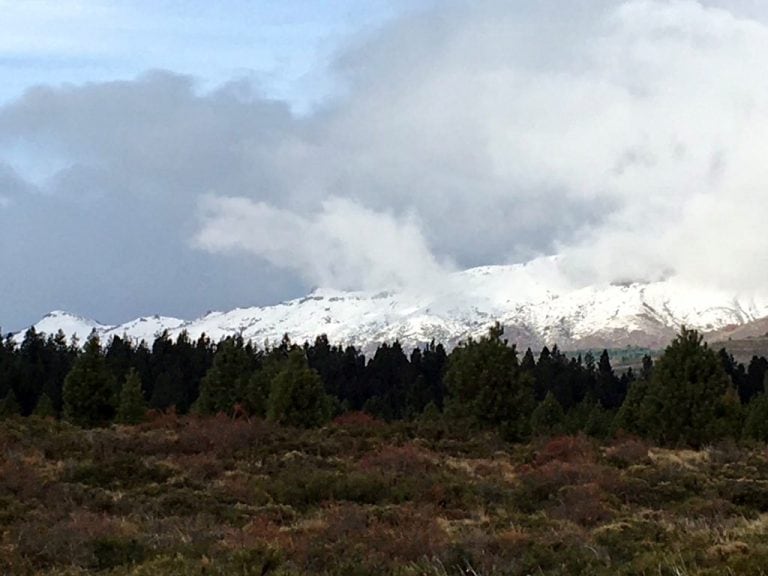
x,y
534,302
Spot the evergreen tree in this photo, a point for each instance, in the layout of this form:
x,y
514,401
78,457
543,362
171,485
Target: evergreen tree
x,y
31,360
528,363
737,374
647,370
226,382
168,383
630,416
686,393
61,357
752,384
548,417
485,383
756,424
609,388
119,357
599,421
297,397
544,374
132,408
389,379
730,415
89,388
9,406
44,408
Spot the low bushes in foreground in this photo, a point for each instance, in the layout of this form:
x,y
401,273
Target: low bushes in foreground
x,y
192,495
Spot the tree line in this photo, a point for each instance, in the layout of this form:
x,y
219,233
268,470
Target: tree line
x,y
689,395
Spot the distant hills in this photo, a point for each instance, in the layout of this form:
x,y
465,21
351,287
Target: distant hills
x,y
533,301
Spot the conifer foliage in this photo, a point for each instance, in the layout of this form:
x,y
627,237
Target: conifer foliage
x,y
485,383
296,396
690,395
132,408
89,388
686,395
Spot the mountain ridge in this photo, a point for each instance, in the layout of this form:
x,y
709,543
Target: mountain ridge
x,y
534,302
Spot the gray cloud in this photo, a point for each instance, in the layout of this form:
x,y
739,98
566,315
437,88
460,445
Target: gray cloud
x,y
625,135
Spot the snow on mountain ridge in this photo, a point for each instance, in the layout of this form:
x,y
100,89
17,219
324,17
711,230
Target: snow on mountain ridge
x,y
535,302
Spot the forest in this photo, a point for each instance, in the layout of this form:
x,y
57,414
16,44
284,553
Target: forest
x,y
691,395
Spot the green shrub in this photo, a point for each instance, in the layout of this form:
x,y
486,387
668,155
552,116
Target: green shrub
x,y
113,552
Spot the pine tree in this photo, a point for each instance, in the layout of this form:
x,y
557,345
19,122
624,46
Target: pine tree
x,y
486,384
44,408
31,360
297,397
226,382
132,408
686,394
528,363
89,388
730,415
599,421
756,424
548,417
9,406
630,417
765,383
609,388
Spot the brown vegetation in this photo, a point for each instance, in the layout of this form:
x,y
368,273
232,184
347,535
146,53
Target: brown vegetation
x,y
188,496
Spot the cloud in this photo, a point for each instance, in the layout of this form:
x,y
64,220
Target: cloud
x,y
343,245
628,136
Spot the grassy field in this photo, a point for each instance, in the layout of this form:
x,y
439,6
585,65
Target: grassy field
x,y
188,496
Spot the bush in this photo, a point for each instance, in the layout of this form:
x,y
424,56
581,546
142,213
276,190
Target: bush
x,y
111,552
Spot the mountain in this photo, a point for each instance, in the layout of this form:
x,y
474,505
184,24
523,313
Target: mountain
x,y
534,301
743,341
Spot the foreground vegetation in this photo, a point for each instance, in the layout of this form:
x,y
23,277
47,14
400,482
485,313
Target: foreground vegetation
x,y
211,495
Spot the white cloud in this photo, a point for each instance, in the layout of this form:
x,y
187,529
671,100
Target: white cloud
x,y
344,245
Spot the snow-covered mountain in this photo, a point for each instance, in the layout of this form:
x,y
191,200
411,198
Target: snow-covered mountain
x,y
533,301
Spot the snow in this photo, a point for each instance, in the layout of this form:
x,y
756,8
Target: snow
x,y
533,300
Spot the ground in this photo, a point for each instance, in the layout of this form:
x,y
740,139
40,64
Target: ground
x,y
188,496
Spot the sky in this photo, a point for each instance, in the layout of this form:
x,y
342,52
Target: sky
x,y
176,157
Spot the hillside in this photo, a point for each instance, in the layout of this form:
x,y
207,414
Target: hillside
x,y
534,302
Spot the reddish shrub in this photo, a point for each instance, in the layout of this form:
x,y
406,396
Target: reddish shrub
x,y
356,420
373,539
20,479
628,451
68,541
220,435
201,467
541,485
259,531
398,460
574,449
586,505
166,419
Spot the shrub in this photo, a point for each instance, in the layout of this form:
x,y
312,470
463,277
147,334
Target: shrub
x,y
110,552
585,504
119,472
628,451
